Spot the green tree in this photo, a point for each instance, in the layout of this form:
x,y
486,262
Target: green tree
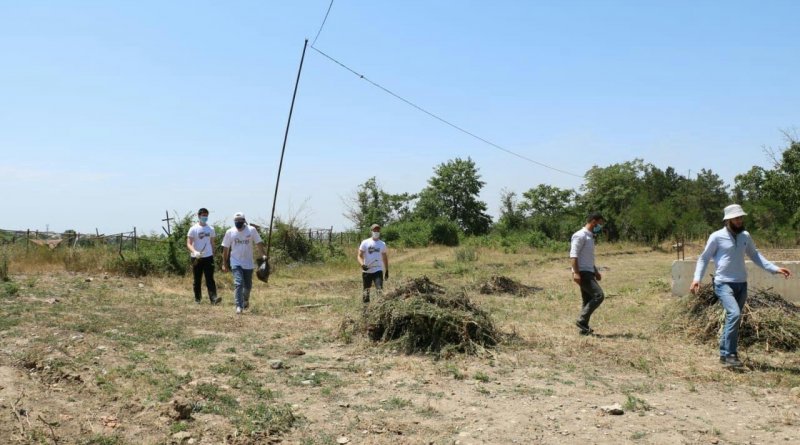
x,y
551,210
611,190
511,216
453,193
370,204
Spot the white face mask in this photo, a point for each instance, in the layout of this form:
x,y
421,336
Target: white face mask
x,y
376,235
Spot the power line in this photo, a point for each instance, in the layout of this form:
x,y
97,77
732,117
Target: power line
x,y
323,23
440,119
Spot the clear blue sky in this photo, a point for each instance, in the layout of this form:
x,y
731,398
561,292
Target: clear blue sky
x,y
112,112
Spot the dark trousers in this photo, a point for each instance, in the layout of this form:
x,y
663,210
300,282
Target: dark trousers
x,y
376,277
592,295
204,266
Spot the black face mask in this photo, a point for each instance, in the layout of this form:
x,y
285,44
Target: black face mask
x,y
238,224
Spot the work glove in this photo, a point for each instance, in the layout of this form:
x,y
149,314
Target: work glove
x,y
386,276
364,267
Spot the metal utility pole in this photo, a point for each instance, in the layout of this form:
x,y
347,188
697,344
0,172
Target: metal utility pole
x,y
283,151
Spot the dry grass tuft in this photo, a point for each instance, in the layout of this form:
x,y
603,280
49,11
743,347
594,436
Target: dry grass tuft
x,y
421,316
499,284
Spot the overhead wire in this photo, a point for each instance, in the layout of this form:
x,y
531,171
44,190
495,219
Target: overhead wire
x,y
323,23
441,119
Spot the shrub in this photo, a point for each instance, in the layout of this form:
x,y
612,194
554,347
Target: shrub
x,y
444,232
411,233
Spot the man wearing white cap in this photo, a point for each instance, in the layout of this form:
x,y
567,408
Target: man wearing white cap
x,y
727,248
237,253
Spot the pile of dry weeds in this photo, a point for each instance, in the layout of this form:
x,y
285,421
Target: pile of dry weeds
x,y
422,316
499,284
767,319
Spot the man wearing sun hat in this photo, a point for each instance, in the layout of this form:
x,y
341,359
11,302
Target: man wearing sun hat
x,y
727,247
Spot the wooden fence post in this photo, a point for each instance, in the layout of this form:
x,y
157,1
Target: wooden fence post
x,y
27,240
135,246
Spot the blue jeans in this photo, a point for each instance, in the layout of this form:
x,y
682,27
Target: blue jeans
x,y
242,283
732,296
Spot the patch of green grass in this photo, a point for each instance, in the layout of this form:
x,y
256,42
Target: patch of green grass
x,y
217,401
267,419
137,356
466,254
638,435
233,367
455,372
7,322
177,427
316,379
481,377
10,288
203,345
395,403
101,439
633,403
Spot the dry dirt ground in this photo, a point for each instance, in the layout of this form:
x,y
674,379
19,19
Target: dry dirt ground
x,y
106,361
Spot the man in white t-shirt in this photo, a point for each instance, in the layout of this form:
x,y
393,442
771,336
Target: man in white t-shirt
x,y
237,253
200,242
374,262
584,271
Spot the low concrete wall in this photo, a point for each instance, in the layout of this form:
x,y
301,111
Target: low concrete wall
x,y
757,278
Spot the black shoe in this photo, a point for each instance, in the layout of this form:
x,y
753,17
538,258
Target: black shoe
x,y
365,298
197,301
584,327
731,361
246,305
215,300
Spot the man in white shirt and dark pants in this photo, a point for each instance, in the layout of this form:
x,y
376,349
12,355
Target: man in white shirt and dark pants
x,y
727,247
584,271
374,262
200,242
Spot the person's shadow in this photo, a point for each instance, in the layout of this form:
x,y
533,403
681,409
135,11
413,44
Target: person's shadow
x,y
623,335
766,367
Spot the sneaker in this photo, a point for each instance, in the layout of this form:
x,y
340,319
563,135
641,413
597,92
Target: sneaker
x,y
584,327
238,310
197,301
215,300
730,361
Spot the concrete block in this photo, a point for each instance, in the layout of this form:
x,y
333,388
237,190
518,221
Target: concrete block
x,y
757,278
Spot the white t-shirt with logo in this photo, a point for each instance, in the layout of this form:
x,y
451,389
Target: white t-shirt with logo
x,y
202,239
372,254
241,245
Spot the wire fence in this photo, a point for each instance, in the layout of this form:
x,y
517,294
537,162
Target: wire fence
x,y
131,240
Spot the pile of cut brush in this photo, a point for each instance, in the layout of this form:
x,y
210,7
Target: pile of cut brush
x,y
504,285
767,319
422,316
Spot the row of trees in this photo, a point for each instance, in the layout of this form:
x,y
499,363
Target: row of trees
x,y
641,202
